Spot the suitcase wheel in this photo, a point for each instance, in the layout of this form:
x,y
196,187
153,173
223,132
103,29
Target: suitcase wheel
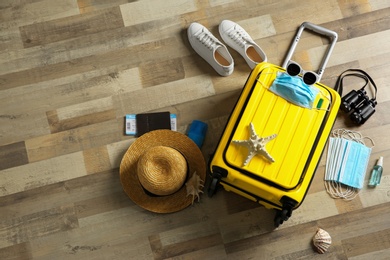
x,y
281,216
278,221
212,187
216,176
286,212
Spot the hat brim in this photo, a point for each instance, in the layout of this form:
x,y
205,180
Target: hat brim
x,y
128,170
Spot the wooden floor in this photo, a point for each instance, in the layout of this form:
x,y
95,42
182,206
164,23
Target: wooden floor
x,y
70,70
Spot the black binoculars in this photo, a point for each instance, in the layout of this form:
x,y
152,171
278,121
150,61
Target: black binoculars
x,y
359,102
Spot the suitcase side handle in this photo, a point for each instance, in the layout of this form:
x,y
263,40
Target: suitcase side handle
x,y
320,30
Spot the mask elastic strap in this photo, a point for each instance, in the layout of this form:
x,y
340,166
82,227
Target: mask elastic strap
x,y
337,191
264,73
352,135
372,141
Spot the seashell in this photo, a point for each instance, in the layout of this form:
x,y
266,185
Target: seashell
x,y
322,241
194,186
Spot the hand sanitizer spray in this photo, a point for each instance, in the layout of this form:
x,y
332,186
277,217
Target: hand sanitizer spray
x,y
376,173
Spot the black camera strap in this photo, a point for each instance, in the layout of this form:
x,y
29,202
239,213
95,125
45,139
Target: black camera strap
x,y
356,73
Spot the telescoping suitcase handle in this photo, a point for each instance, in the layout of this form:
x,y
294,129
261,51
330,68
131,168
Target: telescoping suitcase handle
x,y
320,30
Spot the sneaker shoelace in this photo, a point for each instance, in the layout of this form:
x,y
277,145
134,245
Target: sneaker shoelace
x,y
207,40
240,37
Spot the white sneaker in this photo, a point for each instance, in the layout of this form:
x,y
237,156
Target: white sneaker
x,y
237,38
210,49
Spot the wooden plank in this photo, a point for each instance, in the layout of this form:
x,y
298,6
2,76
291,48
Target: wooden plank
x,y
344,53
150,52
16,14
377,4
156,73
63,99
144,225
137,12
74,190
66,142
368,243
34,175
288,243
258,27
70,91
194,245
13,155
91,243
246,224
70,27
289,16
117,150
18,126
20,230
377,195
360,24
85,108
164,95
203,109
86,6
17,251
102,206
184,234
96,160
263,246
30,11
57,125
218,252
354,8
380,254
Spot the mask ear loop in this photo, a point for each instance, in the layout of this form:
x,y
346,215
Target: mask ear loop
x,y
338,191
352,135
265,73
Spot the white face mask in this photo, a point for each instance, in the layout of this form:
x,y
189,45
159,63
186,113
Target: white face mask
x,y
346,164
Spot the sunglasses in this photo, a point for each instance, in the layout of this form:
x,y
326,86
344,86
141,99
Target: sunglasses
x,y
309,77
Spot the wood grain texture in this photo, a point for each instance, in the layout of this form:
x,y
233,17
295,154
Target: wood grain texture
x,y
12,155
70,70
70,27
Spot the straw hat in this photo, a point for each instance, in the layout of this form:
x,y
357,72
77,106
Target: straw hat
x,y
155,168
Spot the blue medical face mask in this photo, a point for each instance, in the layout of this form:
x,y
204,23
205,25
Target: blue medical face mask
x,y
294,90
346,164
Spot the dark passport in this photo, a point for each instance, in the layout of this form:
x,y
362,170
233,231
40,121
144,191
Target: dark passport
x,y
152,121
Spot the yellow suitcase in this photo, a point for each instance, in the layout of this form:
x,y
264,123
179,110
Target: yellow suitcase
x,y
293,136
